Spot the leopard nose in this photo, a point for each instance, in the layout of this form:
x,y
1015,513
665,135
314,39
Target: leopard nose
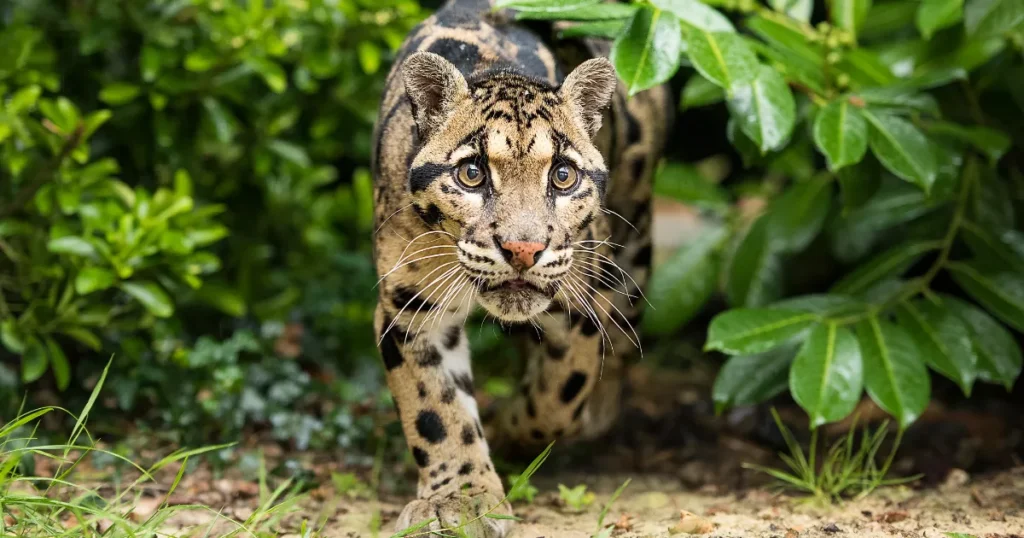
x,y
521,255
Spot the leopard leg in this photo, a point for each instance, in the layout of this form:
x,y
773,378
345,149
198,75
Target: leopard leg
x,y
428,371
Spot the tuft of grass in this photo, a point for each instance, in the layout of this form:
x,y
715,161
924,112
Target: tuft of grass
x,y
602,531
577,498
847,470
56,507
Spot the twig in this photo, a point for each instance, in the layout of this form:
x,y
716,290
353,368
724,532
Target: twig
x,y
45,173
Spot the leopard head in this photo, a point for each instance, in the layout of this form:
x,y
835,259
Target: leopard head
x,y
506,165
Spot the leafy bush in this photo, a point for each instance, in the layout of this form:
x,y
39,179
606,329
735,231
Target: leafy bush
x,y
878,134
175,169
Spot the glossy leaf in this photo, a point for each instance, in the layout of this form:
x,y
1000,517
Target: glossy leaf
x,y
611,29
764,109
754,330
71,245
849,14
787,35
119,93
943,339
550,6
902,148
934,15
91,279
896,99
984,18
999,357
752,379
722,58
58,364
585,12
648,53
1004,250
889,264
992,142
755,270
999,291
825,305
34,360
699,92
696,14
797,9
797,216
894,369
841,134
826,378
152,297
685,183
682,284
859,182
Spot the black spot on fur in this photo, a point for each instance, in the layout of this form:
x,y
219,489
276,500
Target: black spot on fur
x,y
589,328
531,409
638,165
443,467
451,336
556,352
537,434
407,298
462,55
465,383
559,433
431,215
421,387
448,394
466,469
633,133
479,429
430,427
422,176
421,457
441,484
572,387
431,357
389,349
467,435
579,411
643,257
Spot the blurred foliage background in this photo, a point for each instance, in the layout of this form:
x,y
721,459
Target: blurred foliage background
x,y
184,186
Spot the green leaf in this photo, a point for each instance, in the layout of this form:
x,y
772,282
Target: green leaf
x,y
153,297
59,364
894,371
696,14
681,285
992,142
796,217
754,275
944,340
272,73
764,109
1005,250
902,148
1000,291
290,152
841,134
71,244
934,15
827,375
11,337
603,29
92,279
225,125
544,6
587,12
889,264
849,14
699,92
222,297
752,379
201,60
898,99
825,305
858,183
33,361
999,357
796,9
119,93
990,204
755,330
685,183
984,18
648,52
84,337
723,58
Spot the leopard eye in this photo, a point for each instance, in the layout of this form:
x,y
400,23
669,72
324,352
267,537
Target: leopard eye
x,y
564,176
470,175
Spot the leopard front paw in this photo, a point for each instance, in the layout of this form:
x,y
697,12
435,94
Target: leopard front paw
x,y
469,513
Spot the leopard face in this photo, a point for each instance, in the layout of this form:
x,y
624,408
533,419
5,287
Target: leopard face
x,y
508,171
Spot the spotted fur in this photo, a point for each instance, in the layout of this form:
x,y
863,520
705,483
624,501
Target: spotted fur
x,y
514,175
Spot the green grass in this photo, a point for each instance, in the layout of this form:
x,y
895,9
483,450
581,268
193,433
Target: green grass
x,y
55,506
848,470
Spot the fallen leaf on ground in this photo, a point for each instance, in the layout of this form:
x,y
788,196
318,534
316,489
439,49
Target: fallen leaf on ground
x,y
690,523
717,509
625,522
893,517
792,533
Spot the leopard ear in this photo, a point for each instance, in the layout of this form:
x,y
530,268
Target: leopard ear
x,y
434,87
589,89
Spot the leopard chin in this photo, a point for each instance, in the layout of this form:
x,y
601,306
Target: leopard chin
x,y
514,304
